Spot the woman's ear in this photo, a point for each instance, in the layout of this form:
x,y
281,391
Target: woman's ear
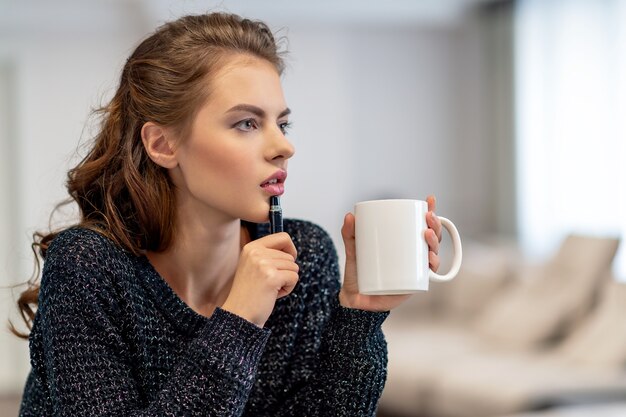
x,y
155,140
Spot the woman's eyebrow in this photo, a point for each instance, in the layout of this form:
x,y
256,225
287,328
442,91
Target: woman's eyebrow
x,y
255,110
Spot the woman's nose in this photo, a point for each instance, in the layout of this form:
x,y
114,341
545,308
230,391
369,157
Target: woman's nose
x,y
280,147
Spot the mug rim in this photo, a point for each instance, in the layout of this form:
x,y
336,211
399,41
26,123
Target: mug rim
x,y
390,200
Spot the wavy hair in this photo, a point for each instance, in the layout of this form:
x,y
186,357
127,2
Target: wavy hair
x,y
120,191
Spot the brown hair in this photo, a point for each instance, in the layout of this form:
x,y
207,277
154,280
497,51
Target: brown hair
x,y
119,190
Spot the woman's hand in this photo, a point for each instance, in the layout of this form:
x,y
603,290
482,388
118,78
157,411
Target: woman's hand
x,y
267,271
349,295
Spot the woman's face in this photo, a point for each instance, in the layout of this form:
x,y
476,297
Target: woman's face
x,y
235,157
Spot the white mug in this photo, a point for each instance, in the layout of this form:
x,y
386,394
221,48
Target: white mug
x,y
391,251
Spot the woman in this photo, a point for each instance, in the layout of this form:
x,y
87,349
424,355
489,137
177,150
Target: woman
x,y
170,297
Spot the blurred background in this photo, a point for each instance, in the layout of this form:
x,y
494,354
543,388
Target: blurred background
x,y
513,113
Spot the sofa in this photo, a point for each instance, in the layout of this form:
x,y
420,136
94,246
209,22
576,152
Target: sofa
x,y
507,336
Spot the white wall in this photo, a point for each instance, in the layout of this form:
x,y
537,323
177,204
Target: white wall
x,y
56,80
370,118
13,352
375,115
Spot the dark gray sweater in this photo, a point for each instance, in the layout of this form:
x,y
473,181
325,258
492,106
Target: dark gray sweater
x,y
111,338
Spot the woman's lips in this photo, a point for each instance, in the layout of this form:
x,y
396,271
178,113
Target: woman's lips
x,y
277,188
275,185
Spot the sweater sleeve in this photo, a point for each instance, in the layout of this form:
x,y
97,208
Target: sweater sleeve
x,y
351,363
83,360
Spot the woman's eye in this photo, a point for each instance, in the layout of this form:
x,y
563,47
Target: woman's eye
x,y
284,127
247,125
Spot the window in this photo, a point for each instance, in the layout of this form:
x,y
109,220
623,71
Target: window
x,y
571,121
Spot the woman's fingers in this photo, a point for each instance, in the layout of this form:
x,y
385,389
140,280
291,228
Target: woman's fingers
x,y
348,235
433,234
266,271
432,220
281,242
433,261
289,279
434,223
432,202
432,240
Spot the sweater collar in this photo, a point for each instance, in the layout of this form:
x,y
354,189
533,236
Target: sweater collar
x,y
169,303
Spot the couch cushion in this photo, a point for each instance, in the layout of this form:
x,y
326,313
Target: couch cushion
x,y
543,308
418,352
600,341
488,267
494,384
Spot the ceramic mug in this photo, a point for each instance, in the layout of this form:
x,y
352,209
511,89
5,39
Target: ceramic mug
x,y
392,253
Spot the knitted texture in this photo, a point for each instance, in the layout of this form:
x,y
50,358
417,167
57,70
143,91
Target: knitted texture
x,y
111,338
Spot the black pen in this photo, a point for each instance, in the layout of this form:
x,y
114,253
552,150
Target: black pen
x,y
276,215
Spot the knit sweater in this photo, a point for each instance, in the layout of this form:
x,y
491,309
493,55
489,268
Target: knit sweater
x,y
111,338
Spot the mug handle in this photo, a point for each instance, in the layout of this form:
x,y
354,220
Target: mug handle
x,y
458,253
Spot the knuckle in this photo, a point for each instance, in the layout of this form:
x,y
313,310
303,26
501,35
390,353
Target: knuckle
x,y
266,270
250,250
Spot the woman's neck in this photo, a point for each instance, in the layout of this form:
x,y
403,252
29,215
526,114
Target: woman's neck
x,y
200,263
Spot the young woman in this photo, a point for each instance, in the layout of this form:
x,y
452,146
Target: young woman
x,y
169,297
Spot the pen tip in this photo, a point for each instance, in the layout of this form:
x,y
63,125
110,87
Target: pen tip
x,y
274,200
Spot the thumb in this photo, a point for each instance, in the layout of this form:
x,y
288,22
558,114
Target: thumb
x,y
348,235
350,285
